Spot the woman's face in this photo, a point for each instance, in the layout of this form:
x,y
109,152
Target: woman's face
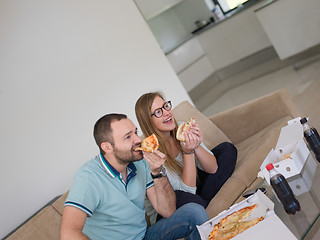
x,y
166,122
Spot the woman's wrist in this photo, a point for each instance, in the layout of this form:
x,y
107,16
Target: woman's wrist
x,y
188,153
196,149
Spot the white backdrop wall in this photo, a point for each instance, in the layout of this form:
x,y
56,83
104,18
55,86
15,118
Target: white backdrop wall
x,y
64,64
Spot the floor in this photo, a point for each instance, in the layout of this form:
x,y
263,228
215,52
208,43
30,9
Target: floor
x,y
303,82
296,80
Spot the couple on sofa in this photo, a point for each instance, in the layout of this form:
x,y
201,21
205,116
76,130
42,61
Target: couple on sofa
x,y
179,179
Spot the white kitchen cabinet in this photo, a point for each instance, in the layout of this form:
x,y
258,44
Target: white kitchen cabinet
x,y
187,53
152,8
292,25
234,39
216,47
196,73
244,34
190,63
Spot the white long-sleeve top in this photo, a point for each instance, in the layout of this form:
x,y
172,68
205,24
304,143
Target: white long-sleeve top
x,y
175,179
177,184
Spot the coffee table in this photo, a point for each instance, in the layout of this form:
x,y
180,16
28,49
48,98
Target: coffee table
x,y
306,187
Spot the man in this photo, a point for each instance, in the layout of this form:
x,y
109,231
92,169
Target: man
x,y
106,200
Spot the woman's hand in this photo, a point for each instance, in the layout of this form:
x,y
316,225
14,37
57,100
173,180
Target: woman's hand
x,y
194,137
155,160
195,129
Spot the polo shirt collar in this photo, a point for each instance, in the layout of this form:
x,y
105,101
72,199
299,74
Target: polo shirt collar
x,y
112,172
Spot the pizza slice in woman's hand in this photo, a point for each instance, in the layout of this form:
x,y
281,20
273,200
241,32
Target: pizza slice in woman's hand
x,y
183,128
149,144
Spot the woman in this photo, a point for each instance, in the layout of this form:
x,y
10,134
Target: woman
x,y
195,173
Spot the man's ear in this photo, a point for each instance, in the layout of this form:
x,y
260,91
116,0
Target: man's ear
x,y
107,147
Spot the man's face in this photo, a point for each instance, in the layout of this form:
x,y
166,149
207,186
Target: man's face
x,y
126,139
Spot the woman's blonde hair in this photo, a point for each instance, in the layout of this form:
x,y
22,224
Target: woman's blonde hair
x,y
143,114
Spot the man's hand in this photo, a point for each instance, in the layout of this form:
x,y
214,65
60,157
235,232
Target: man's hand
x,y
155,160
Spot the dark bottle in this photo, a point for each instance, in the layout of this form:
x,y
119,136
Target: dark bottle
x,y
312,136
283,191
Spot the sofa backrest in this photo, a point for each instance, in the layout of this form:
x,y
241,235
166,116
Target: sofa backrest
x,y
212,134
247,119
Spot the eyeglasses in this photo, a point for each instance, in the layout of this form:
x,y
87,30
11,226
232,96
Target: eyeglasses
x,y
159,112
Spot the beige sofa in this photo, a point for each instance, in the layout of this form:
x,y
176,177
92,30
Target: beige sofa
x,y
252,127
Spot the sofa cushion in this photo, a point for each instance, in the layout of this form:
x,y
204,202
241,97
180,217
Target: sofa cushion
x,y
212,134
251,154
226,196
44,225
58,205
243,121
257,183
253,150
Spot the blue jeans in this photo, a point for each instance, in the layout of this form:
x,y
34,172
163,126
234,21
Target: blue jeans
x,y
181,224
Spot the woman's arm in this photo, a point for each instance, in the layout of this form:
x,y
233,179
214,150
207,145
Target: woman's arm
x,y
207,161
194,138
189,171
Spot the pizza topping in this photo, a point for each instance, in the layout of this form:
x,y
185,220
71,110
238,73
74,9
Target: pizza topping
x,y
183,128
149,144
233,224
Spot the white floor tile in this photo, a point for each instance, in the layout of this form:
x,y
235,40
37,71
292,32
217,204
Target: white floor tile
x,y
294,80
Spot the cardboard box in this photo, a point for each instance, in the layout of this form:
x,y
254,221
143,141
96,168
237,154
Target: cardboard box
x,y
291,142
302,182
269,228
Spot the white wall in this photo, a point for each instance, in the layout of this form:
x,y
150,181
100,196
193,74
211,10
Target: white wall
x,y
64,64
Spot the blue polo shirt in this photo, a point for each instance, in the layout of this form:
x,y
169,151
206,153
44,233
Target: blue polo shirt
x,y
115,209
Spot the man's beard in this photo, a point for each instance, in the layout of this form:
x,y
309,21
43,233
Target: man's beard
x,y
126,157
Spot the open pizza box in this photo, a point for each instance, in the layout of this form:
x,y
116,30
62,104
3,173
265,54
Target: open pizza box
x,y
290,142
264,230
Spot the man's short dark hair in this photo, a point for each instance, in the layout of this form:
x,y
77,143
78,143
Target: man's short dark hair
x,y
102,131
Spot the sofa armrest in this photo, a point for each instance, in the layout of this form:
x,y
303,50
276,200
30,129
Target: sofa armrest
x,y
245,120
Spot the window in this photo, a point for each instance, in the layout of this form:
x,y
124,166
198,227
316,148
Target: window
x,y
229,5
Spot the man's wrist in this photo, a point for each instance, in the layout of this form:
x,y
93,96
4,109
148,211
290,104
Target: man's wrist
x,y
161,174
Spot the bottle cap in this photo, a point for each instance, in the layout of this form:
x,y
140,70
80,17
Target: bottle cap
x,y
269,166
303,120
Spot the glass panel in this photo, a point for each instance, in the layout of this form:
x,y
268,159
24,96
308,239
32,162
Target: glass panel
x,y
228,5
